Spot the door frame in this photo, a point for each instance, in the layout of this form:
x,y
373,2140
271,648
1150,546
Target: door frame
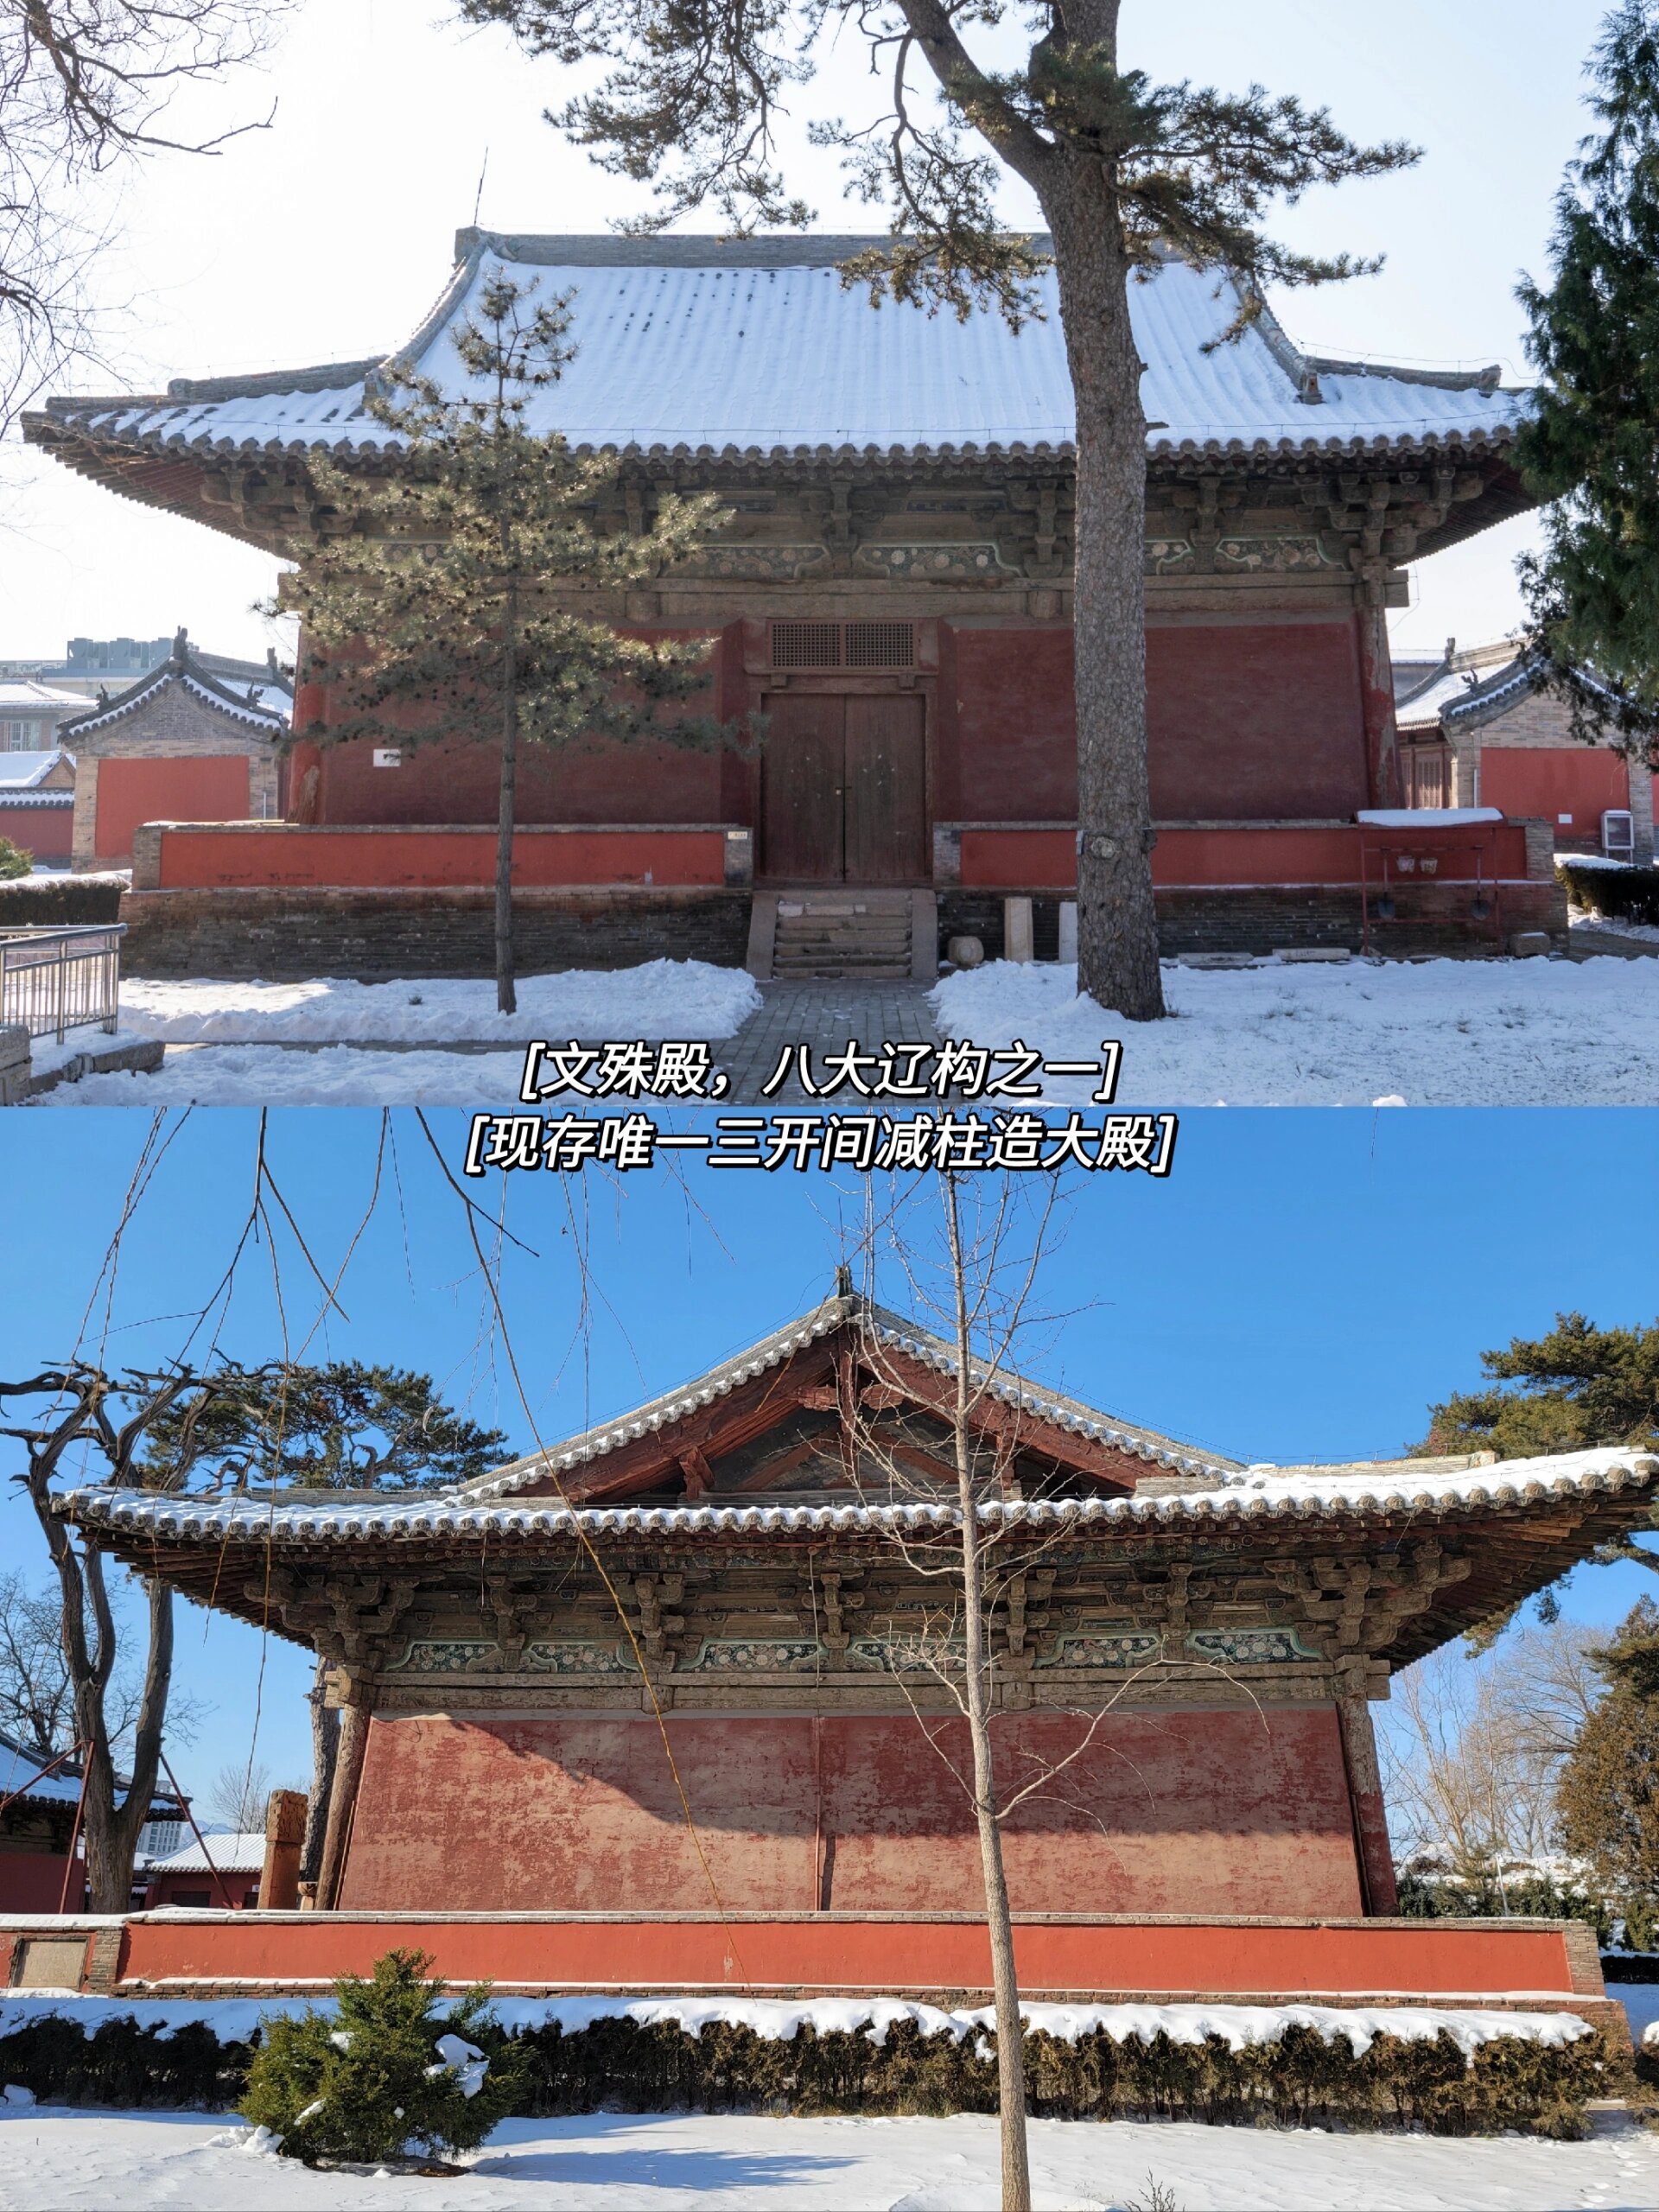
x,y
763,682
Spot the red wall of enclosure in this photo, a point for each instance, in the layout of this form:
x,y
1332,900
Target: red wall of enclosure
x,y
1553,780
1185,1812
214,788
47,832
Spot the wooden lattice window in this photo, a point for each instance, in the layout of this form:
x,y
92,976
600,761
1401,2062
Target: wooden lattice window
x,y
843,644
880,645
806,644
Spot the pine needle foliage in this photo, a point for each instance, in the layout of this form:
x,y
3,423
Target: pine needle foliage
x,y
1576,1387
347,1424
367,2082
1125,171
14,861
1608,1795
467,593
1591,447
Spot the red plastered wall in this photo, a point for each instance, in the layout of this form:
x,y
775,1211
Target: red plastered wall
x,y
1185,1812
1244,723
46,831
457,780
214,788
1553,780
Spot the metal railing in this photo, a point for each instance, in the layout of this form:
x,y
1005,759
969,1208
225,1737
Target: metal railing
x,y
53,980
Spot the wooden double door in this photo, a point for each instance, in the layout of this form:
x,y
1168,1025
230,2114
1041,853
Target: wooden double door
x,y
843,782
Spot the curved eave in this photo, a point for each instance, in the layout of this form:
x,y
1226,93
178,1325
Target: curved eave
x,y
201,1548
169,473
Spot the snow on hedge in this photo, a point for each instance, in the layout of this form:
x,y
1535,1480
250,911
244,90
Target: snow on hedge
x,y
662,998
777,2019
1434,1032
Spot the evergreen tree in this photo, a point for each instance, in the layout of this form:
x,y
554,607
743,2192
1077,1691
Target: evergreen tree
x,y
1123,170
1591,448
1608,1795
428,611
1570,1390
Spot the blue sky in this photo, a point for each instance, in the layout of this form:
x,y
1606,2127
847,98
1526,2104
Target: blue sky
x,y
1301,1287
326,237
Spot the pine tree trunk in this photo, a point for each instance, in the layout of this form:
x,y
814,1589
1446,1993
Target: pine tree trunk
x,y
505,996
1117,929
1010,2032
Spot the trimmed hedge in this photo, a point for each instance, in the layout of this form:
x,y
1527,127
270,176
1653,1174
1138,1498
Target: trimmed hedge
x,y
618,2064
1622,894
46,901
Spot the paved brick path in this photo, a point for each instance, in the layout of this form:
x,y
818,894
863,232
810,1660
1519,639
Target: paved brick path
x,y
825,1016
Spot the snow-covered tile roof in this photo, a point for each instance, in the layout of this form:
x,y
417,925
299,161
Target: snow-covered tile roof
x,y
1246,1496
23,771
887,1331
693,354
269,712
243,1853
24,694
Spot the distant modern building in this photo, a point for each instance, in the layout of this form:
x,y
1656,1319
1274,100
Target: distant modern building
x,y
94,664
37,801
1477,728
180,745
32,713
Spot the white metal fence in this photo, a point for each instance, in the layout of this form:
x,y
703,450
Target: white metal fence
x,y
52,980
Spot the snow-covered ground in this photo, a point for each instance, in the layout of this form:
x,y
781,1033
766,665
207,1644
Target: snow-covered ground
x,y
610,2162
662,998
1615,926
1438,1032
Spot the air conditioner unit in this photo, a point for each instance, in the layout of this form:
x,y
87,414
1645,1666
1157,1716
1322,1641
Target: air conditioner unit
x,y
1618,833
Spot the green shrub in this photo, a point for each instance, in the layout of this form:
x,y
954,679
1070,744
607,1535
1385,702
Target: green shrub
x,y
1622,894
621,2064
14,861
371,2081
53,901
1536,1897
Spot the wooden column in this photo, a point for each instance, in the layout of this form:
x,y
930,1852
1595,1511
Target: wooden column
x,y
1371,1843
1376,695
279,1877
342,1799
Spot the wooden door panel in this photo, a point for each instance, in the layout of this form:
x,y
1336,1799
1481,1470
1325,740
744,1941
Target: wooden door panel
x,y
801,777
887,789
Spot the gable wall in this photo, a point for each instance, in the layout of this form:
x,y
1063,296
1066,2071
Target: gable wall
x,y
1181,1810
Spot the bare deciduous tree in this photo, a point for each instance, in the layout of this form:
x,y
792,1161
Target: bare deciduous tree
x,y
87,86
1473,1748
85,1414
955,1640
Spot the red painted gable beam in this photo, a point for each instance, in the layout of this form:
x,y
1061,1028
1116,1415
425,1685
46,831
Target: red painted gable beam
x,y
1013,1426
725,1425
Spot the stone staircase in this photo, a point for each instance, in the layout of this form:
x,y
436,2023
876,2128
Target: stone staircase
x,y
850,935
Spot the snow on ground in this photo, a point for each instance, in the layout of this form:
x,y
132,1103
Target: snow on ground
x,y
662,998
1615,926
54,2159
1437,1033
334,1075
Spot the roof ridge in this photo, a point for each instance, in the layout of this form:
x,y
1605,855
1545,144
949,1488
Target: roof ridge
x,y
596,1441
